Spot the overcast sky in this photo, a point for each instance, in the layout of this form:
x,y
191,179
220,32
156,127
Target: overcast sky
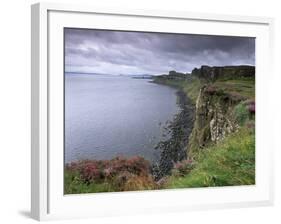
x,y
113,52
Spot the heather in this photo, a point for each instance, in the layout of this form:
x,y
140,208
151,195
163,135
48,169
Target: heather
x,y
118,174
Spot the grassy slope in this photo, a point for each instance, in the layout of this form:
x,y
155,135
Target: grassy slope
x,y
74,185
243,87
231,162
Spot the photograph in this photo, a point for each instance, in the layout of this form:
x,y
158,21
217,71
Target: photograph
x,y
152,111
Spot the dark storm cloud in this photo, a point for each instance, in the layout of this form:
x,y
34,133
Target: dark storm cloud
x,y
114,52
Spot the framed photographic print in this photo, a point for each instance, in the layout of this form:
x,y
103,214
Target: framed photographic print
x,y
148,111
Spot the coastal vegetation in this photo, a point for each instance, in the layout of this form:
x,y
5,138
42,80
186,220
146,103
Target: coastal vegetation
x,y
118,174
212,139
230,162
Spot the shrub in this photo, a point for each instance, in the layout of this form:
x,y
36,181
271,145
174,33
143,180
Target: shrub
x,y
211,90
251,105
241,113
183,167
104,175
236,97
252,108
138,183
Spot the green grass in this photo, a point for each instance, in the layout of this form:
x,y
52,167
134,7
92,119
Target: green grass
x,y
74,185
191,87
228,163
241,113
243,87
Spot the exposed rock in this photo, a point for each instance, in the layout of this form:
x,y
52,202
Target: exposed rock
x,y
213,117
174,148
213,73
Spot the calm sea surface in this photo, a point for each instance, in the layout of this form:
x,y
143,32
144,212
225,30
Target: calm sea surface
x,y
107,116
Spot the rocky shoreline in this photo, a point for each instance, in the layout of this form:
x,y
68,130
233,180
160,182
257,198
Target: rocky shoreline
x,y
174,149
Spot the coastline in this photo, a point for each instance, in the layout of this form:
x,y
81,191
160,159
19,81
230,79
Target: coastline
x,y
211,140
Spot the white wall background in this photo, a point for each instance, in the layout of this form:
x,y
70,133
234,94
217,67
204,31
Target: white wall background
x,y
15,110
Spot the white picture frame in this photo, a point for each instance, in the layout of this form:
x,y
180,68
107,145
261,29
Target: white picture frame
x,y
47,199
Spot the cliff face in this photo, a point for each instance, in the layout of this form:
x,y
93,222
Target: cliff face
x,y
214,73
213,117
214,111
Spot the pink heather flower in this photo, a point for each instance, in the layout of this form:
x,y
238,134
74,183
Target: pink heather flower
x,y
252,108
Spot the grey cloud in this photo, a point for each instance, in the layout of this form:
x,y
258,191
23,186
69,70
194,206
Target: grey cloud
x,y
118,52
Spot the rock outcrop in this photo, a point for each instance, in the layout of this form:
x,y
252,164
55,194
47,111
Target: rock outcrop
x,y
214,73
213,117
